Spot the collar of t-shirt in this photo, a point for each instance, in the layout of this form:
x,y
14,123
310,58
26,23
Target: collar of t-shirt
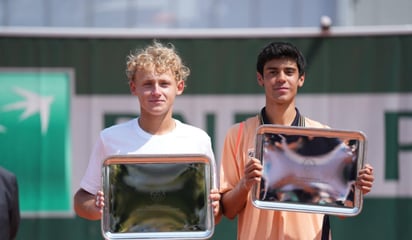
x,y
264,119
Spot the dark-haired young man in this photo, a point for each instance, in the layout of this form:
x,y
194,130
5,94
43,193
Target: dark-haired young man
x,y
280,72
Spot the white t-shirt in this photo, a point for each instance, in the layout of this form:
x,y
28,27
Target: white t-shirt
x,y
129,138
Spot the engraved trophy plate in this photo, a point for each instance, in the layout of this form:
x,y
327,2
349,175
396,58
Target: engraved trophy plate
x,y
157,197
309,169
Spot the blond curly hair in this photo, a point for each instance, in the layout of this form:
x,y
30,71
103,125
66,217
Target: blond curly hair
x,y
159,57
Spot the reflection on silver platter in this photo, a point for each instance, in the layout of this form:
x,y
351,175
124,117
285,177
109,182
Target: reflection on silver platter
x,y
309,169
157,197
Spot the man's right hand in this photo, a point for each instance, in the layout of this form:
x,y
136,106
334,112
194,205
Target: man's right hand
x,y
253,173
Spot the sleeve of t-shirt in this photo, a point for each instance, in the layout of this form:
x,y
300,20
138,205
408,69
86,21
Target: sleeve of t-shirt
x,y
91,181
229,166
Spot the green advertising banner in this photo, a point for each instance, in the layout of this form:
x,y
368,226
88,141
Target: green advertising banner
x,y
34,138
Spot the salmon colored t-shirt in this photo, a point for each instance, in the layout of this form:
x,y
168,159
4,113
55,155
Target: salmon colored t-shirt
x,y
254,223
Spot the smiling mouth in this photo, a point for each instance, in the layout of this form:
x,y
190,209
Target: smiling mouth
x,y
156,102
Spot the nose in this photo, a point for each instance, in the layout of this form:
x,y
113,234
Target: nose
x,y
155,90
281,77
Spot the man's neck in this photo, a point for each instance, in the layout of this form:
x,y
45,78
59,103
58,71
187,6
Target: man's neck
x,y
280,114
156,125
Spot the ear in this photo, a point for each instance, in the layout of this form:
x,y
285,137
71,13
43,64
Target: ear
x,y
180,87
301,80
260,80
132,87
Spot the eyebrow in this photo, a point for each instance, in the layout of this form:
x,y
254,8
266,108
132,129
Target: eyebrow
x,y
277,68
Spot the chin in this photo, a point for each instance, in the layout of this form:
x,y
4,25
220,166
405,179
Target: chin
x,y
157,112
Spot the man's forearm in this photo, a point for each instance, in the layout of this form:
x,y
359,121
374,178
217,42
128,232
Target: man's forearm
x,y
85,206
234,200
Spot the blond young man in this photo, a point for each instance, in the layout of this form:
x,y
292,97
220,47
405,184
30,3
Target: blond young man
x,y
156,77
280,71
